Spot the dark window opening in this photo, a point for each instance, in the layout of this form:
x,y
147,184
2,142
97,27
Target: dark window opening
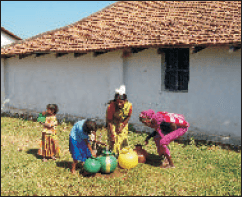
x,y
176,69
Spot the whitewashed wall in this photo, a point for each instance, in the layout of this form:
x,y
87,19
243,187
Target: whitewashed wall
x,y
213,102
6,39
2,80
81,86
78,85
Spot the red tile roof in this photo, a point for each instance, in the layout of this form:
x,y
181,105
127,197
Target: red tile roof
x,y
142,24
10,33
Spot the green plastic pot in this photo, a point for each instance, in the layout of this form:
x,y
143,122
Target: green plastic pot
x,y
41,118
92,165
108,162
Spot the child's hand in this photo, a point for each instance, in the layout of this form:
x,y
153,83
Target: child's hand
x,y
94,154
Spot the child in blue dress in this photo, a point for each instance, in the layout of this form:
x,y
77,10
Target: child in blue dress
x,y
79,146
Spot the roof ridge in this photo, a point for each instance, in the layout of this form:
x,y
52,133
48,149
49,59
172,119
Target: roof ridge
x,y
10,33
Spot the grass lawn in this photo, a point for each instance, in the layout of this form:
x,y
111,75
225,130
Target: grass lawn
x,y
200,171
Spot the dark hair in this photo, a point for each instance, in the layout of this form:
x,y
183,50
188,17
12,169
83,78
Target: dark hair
x,y
117,96
121,97
90,125
53,107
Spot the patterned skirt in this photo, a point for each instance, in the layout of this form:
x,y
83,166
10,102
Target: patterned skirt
x,y
48,147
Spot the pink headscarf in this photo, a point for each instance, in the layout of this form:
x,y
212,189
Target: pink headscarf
x,y
149,113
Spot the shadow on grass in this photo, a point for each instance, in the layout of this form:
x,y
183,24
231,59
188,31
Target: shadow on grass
x,y
79,167
34,152
65,164
154,160
68,164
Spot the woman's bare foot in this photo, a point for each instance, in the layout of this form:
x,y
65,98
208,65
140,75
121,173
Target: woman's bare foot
x,y
170,162
44,160
165,162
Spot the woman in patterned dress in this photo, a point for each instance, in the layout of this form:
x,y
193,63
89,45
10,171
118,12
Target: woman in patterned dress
x,y
118,114
49,144
168,127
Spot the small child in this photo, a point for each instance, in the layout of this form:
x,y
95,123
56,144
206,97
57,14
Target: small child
x,y
50,147
168,127
79,145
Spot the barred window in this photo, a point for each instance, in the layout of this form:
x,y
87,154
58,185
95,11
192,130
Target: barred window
x,y
175,69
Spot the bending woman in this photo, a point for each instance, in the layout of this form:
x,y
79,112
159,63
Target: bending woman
x,y
168,127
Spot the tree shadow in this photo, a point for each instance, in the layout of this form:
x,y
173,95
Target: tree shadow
x,y
154,160
34,152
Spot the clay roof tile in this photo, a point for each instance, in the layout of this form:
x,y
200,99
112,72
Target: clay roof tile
x,y
137,23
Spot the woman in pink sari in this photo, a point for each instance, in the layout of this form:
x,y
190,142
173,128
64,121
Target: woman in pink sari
x,y
168,127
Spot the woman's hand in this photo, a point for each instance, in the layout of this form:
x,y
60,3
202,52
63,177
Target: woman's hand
x,y
120,128
146,142
183,125
173,126
112,137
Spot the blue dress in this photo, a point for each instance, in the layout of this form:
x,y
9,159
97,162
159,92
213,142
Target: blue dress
x,y
77,145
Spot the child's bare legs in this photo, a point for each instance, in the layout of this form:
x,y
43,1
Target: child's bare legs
x,y
73,167
55,146
43,147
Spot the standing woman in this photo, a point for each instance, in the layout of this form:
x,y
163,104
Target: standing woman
x,y
118,114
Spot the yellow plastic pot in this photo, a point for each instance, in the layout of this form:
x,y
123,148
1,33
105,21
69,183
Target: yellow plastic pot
x,y
128,158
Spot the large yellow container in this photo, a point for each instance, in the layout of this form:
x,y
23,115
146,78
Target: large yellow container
x,y
128,158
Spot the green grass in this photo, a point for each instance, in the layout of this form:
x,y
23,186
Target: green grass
x,y
200,171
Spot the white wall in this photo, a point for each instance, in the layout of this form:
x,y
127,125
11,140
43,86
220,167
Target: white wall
x,y
6,39
215,87
81,86
2,80
78,85
213,102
